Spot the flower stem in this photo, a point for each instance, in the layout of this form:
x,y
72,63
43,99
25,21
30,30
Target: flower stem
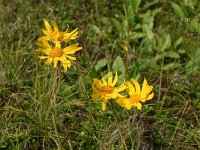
x,y
55,87
118,122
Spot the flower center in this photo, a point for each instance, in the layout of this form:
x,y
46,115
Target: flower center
x,y
107,89
56,52
135,98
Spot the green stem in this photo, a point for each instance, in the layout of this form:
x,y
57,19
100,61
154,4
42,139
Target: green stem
x,y
53,102
118,122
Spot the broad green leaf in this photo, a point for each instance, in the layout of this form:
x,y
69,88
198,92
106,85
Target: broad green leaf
x,y
172,54
136,4
178,42
150,4
118,65
178,10
100,64
167,42
95,29
131,15
148,31
117,25
194,25
170,66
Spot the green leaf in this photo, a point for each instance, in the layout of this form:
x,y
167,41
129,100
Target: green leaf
x,y
118,65
194,25
178,42
172,54
100,64
148,31
95,29
117,25
171,66
167,42
136,4
178,10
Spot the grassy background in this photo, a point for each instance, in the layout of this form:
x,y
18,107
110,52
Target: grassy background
x,y
162,38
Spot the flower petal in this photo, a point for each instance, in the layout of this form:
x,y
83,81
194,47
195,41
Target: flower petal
x,y
42,57
110,78
55,60
120,88
55,26
138,105
97,83
104,101
63,59
71,49
70,57
103,80
131,89
137,86
66,65
96,96
48,61
115,79
150,97
48,27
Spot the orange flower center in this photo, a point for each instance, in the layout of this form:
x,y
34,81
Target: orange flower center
x,y
56,52
135,98
107,89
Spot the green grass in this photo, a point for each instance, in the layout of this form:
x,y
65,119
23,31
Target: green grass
x,y
163,45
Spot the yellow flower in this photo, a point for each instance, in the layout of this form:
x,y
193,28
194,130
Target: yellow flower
x,y
57,54
56,35
124,45
106,90
136,95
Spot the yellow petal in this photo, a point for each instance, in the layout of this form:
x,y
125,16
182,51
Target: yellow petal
x,y
46,44
94,88
104,101
46,32
63,59
104,81
42,57
120,88
70,36
128,106
131,89
48,27
96,96
55,60
112,95
97,83
48,61
66,65
55,26
115,79
137,86
150,97
138,105
45,51
70,57
109,78
71,49
40,39
57,44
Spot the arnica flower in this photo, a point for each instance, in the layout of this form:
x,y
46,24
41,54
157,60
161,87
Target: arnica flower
x,y
56,35
57,54
136,95
106,90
